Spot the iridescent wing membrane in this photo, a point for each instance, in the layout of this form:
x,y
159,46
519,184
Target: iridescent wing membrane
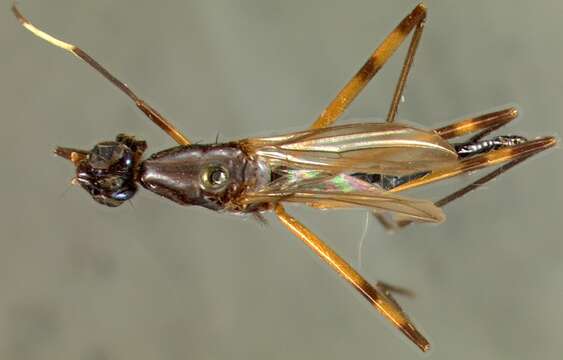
x,y
314,166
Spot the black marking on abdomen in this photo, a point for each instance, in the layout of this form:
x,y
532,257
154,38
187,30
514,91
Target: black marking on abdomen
x,y
387,182
464,150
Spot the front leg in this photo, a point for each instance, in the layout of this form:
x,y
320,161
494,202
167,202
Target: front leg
x,y
148,110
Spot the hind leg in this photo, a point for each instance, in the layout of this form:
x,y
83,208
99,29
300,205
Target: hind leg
x,y
508,156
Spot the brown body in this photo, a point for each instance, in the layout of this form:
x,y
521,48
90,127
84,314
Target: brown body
x,y
324,167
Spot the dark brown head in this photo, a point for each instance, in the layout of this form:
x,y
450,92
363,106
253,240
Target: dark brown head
x,y
108,171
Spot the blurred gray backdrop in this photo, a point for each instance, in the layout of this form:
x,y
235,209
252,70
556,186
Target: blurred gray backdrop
x,y
157,281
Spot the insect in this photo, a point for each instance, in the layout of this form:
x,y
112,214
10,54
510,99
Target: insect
x,y
326,166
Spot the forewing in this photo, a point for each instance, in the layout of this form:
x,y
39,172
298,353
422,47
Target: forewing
x,y
344,191
383,148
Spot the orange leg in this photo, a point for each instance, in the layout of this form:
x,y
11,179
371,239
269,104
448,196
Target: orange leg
x,y
487,123
379,295
492,158
150,112
509,156
375,62
482,124
409,60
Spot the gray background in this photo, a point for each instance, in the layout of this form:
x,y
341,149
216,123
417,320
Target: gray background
x,y
157,281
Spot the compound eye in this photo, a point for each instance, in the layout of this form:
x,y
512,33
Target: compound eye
x,y
124,195
214,178
106,154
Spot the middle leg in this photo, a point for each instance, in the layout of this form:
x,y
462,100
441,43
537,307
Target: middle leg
x,y
375,62
379,295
